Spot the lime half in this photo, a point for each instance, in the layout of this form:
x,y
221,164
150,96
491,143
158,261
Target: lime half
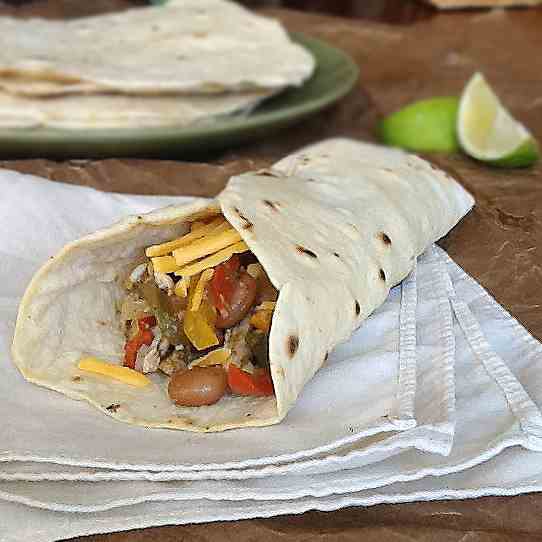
x,y
488,132
423,126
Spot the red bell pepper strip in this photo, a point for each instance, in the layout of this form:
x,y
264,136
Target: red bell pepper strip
x,y
146,322
145,336
244,383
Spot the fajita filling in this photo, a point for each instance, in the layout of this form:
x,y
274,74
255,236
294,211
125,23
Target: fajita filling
x,y
198,310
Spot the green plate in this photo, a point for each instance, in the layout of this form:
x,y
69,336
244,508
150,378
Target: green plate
x,y
335,75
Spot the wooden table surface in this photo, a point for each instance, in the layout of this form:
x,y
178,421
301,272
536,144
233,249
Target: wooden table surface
x,y
390,11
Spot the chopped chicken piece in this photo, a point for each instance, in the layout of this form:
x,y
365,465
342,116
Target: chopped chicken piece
x,y
236,340
164,282
148,357
137,274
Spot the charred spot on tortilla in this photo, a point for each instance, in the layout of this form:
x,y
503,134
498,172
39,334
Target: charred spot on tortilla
x,y
293,345
139,217
248,414
247,224
76,378
271,204
269,173
336,254
357,307
382,275
303,250
385,238
113,408
326,356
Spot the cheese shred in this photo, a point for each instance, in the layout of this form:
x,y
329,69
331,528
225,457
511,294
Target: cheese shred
x,y
197,233
212,261
206,246
197,298
122,374
164,264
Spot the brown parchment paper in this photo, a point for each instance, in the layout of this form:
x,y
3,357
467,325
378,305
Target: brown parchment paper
x,y
499,243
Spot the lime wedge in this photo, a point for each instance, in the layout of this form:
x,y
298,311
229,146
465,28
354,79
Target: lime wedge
x,y
423,126
488,132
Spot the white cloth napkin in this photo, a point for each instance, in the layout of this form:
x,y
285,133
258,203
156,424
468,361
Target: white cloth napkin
x,y
350,402
512,472
494,412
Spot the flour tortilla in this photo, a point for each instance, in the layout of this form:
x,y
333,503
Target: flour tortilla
x,y
39,87
335,226
188,46
122,111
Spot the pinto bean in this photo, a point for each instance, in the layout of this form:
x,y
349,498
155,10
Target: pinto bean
x,y
242,299
198,386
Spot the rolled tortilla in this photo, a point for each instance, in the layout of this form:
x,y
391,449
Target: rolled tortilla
x,y
335,226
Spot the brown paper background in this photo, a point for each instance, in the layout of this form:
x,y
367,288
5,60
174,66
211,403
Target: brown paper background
x,y
499,243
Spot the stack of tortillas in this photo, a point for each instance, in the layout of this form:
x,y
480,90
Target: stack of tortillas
x,y
185,62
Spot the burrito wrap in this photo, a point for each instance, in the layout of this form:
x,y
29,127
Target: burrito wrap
x,y
335,226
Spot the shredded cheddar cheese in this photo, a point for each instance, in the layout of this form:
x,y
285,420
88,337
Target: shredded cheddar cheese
x,y
197,225
205,277
196,233
206,246
211,261
122,374
164,264
182,287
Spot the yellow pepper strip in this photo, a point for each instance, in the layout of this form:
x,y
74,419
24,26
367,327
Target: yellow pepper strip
x,y
166,248
220,356
197,298
198,330
164,264
182,286
122,374
211,261
262,320
199,325
206,246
